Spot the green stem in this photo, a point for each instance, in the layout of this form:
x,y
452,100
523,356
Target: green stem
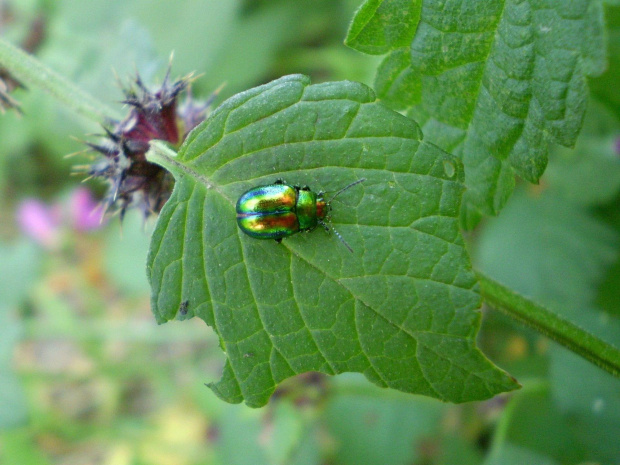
x,y
31,72
551,325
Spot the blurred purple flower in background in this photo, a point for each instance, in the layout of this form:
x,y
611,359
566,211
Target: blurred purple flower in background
x,y
84,211
40,222
617,146
45,224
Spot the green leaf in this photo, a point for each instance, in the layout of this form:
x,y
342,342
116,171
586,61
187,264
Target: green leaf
x,y
278,436
604,86
401,309
589,174
557,251
238,432
496,81
609,291
286,432
363,423
382,25
18,266
593,407
458,449
174,25
547,248
514,455
252,43
534,422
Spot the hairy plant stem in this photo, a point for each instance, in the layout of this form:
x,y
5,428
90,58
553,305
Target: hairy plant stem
x,y
32,73
551,325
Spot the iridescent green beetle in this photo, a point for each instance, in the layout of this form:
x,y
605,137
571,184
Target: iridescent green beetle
x,y
279,210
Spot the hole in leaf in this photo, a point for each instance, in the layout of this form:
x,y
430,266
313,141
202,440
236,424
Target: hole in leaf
x,y
449,168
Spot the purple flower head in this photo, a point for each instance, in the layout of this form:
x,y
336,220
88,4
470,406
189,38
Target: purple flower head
x,y
154,114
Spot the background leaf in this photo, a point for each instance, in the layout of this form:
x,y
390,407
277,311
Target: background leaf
x,y
310,305
365,419
535,422
493,81
18,265
604,86
589,175
125,253
514,455
551,244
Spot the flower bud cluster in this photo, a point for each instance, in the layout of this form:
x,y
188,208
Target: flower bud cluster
x,y
154,115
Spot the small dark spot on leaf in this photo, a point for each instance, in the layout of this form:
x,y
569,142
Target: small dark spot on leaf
x,y
184,307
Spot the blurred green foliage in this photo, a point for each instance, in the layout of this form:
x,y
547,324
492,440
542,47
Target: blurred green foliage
x,y
87,377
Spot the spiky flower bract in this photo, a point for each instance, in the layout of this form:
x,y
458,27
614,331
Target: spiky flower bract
x,y
155,114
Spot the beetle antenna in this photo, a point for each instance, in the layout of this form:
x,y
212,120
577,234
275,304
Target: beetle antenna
x,y
345,188
337,233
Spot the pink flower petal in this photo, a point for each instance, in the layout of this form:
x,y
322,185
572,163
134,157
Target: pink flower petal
x,y
84,211
39,222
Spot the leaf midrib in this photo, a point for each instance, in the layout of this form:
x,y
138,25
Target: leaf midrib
x,y
210,185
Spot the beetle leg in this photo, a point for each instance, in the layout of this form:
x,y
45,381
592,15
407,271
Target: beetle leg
x,y
279,240
279,181
305,188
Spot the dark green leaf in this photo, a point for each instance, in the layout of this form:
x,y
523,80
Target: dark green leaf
x,y
500,78
534,422
592,406
605,86
457,449
402,309
382,25
609,291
